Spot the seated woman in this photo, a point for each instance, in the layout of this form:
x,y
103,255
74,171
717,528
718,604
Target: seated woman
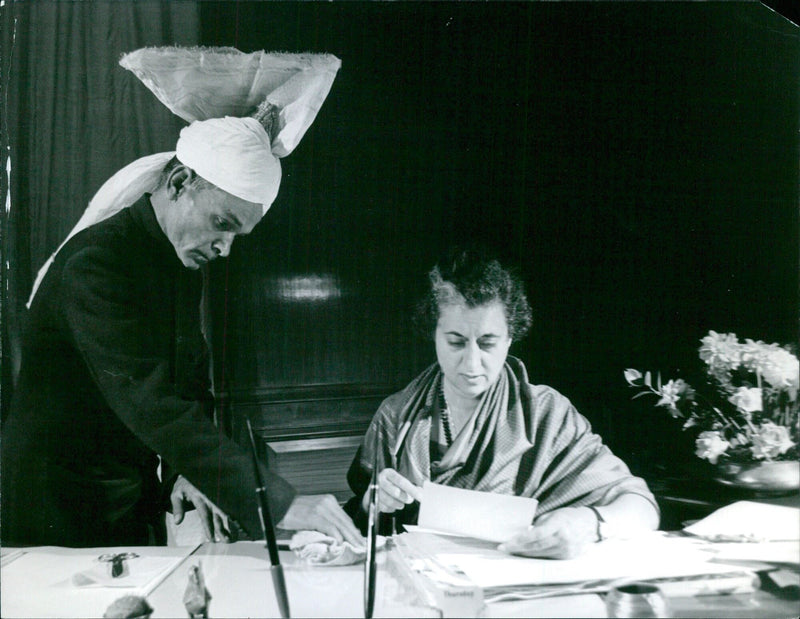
x,y
473,421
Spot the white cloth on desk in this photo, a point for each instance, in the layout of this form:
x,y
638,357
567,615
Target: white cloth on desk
x,y
319,549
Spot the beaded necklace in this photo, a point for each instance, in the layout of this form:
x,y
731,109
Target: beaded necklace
x,y
445,415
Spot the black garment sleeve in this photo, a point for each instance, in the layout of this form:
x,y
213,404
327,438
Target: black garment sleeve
x,y
99,305
358,478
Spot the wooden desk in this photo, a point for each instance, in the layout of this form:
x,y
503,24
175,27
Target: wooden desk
x,y
238,579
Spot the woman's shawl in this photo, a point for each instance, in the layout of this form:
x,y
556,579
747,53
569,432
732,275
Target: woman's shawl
x,y
525,440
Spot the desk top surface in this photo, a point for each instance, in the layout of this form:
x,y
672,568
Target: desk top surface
x,y
238,579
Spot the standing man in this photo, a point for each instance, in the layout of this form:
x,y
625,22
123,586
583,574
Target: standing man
x,y
114,369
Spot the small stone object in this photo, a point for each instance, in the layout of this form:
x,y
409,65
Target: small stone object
x,y
129,607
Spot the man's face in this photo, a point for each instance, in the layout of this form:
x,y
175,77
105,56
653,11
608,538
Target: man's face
x,y
203,220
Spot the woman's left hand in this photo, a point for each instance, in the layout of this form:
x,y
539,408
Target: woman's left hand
x,y
561,534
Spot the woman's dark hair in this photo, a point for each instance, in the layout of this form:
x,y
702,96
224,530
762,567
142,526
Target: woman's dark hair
x,y
473,277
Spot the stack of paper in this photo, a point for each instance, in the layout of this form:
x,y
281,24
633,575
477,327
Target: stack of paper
x,y
749,521
653,556
756,535
460,529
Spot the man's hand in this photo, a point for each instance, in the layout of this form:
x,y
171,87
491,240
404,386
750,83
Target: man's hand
x,y
215,522
394,492
321,513
561,534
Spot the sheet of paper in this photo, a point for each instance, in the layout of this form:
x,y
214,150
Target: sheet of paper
x,y
67,582
481,515
749,521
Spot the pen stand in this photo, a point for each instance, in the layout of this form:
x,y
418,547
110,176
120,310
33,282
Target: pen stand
x,y
637,600
116,564
117,569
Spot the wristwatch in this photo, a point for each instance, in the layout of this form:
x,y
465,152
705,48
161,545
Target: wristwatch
x,y
603,527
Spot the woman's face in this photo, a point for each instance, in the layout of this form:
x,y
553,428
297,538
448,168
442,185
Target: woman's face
x,y
471,346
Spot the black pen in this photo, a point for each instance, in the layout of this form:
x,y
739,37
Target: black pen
x,y
370,569
268,529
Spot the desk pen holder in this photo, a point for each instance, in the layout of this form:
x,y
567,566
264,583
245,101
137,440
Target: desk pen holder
x,y
116,565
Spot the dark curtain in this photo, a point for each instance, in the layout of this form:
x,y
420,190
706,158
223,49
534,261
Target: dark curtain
x,y
71,117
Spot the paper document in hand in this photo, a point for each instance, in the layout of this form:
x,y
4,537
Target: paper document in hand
x,y
469,513
749,521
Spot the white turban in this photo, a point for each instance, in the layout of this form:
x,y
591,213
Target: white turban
x,y
215,89
235,154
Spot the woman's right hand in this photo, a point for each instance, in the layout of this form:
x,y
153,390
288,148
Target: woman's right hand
x,y
394,492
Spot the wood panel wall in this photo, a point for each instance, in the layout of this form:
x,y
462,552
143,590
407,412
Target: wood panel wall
x,y
637,163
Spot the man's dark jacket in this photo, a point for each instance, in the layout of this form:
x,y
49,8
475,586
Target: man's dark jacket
x,y
113,372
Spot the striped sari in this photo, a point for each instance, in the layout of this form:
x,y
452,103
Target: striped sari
x,y
525,440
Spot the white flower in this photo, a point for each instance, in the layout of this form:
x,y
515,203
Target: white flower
x,y
670,394
774,364
747,400
770,440
752,355
710,445
632,375
751,382
781,370
721,352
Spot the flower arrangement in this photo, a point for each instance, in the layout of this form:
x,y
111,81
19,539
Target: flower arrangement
x,y
748,411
